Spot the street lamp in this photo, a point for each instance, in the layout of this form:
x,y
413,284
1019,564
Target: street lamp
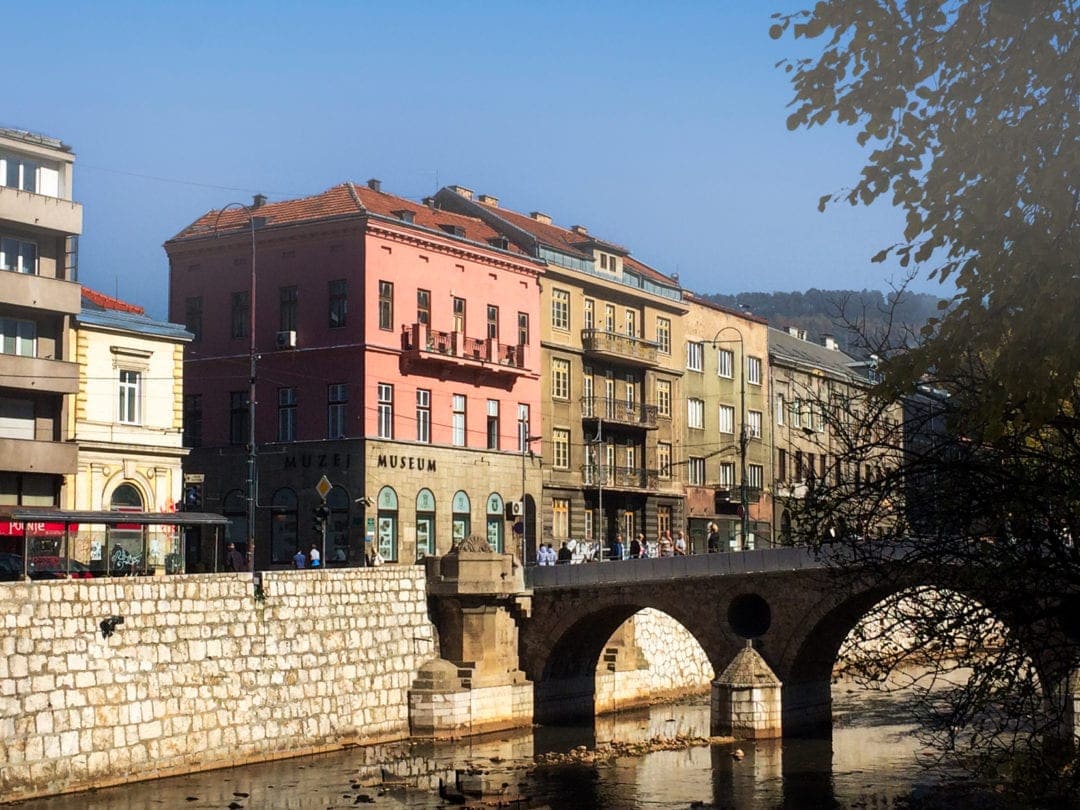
x,y
526,442
744,495
252,461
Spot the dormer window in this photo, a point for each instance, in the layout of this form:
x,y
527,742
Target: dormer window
x,y
405,215
500,242
453,230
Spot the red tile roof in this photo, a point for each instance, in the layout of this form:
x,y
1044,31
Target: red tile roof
x,y
572,242
343,200
108,302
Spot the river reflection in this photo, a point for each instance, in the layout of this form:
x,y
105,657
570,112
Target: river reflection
x,y
870,762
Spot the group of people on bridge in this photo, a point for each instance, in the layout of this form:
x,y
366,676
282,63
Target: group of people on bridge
x,y
639,548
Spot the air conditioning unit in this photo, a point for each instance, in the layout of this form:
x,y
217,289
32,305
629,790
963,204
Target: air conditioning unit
x,y
517,508
286,340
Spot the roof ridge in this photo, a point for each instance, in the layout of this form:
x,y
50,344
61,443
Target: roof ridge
x,y
109,302
353,193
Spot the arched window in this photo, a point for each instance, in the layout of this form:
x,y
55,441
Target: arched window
x,y
284,537
425,524
461,522
496,522
234,507
127,549
388,524
337,527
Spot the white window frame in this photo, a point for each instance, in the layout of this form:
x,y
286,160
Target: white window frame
x,y
725,363
459,403
780,406
18,255
129,397
663,397
725,418
423,415
663,459
385,424
695,413
753,370
560,309
663,335
726,474
753,424
695,471
18,336
755,476
695,355
560,378
560,443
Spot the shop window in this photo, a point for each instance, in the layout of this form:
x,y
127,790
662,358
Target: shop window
x,y
461,521
387,526
496,522
425,523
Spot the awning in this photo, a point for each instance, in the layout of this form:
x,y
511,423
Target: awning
x,y
27,514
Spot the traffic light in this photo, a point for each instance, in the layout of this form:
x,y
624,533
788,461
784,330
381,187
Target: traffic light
x,y
192,501
320,515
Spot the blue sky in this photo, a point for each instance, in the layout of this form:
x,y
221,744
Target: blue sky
x,y
660,126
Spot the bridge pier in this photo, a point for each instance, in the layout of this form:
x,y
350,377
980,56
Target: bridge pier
x,y
746,699
475,685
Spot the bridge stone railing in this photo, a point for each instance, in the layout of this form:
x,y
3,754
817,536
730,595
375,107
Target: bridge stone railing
x,y
662,568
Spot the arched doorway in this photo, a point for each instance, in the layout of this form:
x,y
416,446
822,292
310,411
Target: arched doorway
x,y
126,541
461,517
496,522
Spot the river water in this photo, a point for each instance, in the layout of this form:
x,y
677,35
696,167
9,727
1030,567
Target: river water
x,y
870,762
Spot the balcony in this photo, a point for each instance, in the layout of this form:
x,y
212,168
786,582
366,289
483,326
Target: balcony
x,y
622,348
618,412
633,478
40,292
419,342
30,455
37,374
40,211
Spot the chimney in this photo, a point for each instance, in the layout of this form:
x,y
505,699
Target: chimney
x,y
461,190
830,342
796,332
487,199
258,200
374,184
580,230
540,217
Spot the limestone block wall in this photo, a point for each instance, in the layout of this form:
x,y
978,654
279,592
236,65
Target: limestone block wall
x,y
674,665
201,673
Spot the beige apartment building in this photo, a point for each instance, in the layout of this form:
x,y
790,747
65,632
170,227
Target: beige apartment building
x,y
821,434
724,456
39,297
612,365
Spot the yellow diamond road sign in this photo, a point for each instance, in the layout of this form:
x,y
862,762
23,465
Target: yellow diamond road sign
x,y
323,487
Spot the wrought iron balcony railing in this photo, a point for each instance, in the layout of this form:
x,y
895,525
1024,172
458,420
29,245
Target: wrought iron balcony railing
x,y
603,475
421,341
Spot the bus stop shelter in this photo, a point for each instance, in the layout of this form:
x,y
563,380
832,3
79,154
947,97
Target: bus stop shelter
x,y
57,542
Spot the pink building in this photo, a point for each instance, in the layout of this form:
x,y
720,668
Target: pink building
x,y
397,354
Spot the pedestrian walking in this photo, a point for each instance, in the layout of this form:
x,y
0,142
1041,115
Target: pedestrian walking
x,y
299,560
234,560
315,556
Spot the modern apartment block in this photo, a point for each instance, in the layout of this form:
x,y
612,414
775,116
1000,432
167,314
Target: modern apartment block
x,y
39,297
393,349
612,364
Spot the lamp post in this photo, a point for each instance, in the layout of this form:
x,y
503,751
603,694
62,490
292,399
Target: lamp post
x,y
526,442
252,460
744,495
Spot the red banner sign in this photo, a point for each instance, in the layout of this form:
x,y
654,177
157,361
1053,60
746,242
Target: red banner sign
x,y
12,527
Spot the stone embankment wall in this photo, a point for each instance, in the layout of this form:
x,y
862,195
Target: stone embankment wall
x,y
670,664
201,673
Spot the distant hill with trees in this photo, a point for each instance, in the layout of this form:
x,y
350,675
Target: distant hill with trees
x,y
853,317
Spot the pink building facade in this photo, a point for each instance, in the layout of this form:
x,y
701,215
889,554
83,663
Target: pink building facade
x,y
397,354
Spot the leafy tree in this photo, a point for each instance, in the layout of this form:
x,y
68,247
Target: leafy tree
x,y
969,110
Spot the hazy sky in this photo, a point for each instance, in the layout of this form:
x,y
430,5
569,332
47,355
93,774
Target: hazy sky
x,y
659,126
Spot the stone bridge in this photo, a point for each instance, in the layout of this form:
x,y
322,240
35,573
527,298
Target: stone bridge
x,y
792,607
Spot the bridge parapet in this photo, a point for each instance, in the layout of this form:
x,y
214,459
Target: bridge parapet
x,y
619,572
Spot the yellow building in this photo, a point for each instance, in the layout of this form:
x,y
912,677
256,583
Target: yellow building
x,y
724,459
611,342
